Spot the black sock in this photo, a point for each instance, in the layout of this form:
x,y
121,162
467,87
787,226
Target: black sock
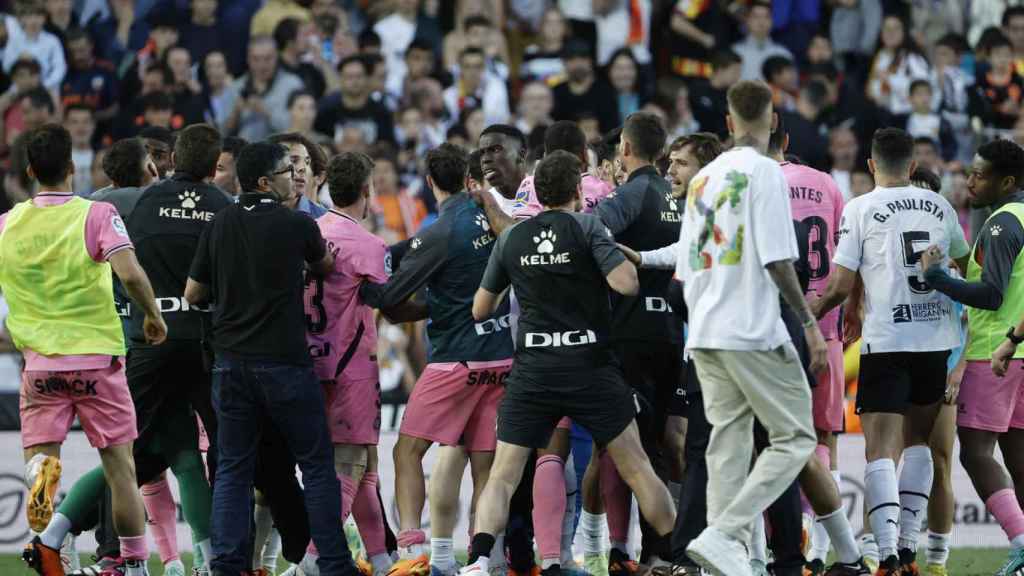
x,y
481,545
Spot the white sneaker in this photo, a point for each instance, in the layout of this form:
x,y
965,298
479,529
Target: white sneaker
x,y
291,571
69,554
174,568
719,554
478,568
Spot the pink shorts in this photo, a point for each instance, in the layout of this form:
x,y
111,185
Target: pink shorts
x,y
829,394
456,403
353,411
564,424
100,398
987,402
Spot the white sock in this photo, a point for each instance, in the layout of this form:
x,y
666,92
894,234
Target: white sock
x,y
497,558
621,547
569,518
838,477
915,486
593,533
883,502
820,540
441,553
263,523
56,530
308,564
758,542
1017,543
204,548
869,548
837,527
381,562
546,563
272,550
938,548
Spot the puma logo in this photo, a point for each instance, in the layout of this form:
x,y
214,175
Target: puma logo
x,y
912,511
891,521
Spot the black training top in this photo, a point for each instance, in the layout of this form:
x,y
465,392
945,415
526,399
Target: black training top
x,y
557,262
253,257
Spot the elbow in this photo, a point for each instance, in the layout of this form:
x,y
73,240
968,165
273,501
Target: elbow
x,y
480,312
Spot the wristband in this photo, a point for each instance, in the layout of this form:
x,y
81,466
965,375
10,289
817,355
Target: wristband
x,y
809,323
1009,335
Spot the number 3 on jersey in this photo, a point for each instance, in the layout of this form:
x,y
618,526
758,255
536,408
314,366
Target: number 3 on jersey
x,y
914,243
316,315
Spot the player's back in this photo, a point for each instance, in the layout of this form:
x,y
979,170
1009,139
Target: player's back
x,y
817,203
889,228
336,319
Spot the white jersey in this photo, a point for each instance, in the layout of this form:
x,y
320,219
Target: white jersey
x,y
882,234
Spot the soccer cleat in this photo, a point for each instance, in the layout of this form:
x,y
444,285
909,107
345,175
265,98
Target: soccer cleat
x,y
474,569
257,572
620,565
858,568
814,568
69,554
908,563
134,567
554,570
869,550
43,559
574,571
718,553
534,571
364,566
675,570
97,568
205,572
412,567
806,526
595,564
1014,564
935,570
889,567
42,473
174,568
438,571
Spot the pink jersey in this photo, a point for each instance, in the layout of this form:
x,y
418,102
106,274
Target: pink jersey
x,y
105,234
526,204
817,202
334,312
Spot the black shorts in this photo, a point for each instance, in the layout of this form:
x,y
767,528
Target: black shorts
x,y
653,370
596,399
889,382
169,384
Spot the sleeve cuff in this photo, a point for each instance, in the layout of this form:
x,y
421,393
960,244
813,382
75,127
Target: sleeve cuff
x,y
846,262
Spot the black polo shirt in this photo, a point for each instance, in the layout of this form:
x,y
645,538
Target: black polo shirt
x,y
253,257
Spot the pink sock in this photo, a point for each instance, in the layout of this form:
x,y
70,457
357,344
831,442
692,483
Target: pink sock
x,y
163,517
348,494
549,506
1004,506
408,538
615,494
134,548
369,517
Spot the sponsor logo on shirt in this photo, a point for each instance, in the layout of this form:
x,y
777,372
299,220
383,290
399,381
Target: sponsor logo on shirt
x,y
416,243
672,214
189,199
560,339
920,312
488,235
486,378
656,304
318,351
522,197
492,325
545,246
167,305
118,225
58,385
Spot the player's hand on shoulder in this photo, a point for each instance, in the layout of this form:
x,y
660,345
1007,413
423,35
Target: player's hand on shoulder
x,y
631,255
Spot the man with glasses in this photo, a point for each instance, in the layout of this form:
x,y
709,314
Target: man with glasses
x,y
262,364
304,185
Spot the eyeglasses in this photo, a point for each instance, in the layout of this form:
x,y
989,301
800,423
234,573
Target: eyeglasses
x,y
289,169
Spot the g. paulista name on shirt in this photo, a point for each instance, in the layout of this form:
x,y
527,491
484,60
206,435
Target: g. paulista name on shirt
x,y
895,206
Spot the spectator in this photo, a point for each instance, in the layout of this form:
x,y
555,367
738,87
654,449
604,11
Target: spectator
x,y
623,25
855,27
352,107
898,62
262,106
377,80
676,96
419,63
843,149
79,122
26,37
953,84
795,23
999,91
543,60
478,32
226,177
188,105
758,45
267,18
780,74
926,154
807,137
203,33
624,76
474,121
25,76
426,96
708,98
115,30
819,50
1013,28
302,110
397,31
219,92
413,145
934,19
163,35
692,36
398,210
159,142
922,122
37,108
158,110
476,88
861,183
535,105
582,91
89,81
369,42
292,37
60,18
